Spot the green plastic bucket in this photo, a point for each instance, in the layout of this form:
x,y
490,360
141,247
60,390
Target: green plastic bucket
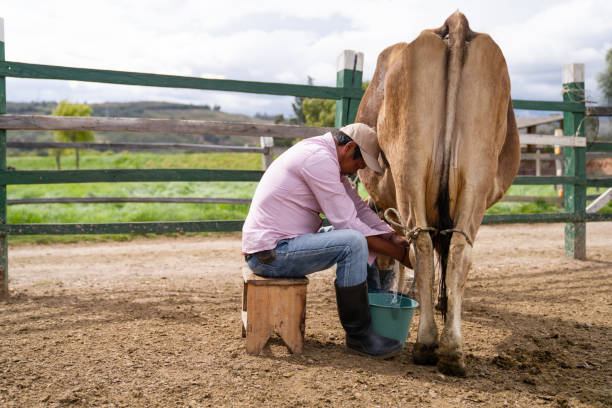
x,y
392,319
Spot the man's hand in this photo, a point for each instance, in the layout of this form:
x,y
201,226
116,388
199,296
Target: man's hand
x,y
396,247
400,240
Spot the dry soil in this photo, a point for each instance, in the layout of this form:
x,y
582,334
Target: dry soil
x,y
156,323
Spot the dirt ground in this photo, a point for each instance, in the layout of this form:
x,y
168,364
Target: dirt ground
x,y
156,323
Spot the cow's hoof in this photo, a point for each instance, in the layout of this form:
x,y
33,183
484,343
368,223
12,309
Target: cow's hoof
x,y
451,364
425,354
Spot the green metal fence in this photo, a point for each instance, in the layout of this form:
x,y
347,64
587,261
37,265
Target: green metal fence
x,y
348,93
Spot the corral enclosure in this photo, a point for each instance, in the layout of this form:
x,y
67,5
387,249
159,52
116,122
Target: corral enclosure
x,y
348,94
111,325
156,322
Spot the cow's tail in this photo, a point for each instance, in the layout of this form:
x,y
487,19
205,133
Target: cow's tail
x,y
455,32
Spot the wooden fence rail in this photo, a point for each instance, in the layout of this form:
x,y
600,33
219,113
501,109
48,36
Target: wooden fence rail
x,y
183,127
200,127
138,146
599,110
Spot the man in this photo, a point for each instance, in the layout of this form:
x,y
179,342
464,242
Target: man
x,y
280,238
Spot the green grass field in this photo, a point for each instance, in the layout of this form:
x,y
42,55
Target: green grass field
x,y
129,212
139,212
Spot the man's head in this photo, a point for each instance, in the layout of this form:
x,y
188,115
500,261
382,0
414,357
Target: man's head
x,y
357,148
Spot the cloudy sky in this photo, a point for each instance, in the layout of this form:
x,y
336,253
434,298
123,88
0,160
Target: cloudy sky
x,y
283,41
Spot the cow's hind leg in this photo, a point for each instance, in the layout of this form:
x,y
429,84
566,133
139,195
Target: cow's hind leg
x,y
425,348
480,129
450,355
426,345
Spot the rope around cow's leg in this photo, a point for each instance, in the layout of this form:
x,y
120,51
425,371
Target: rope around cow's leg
x,y
451,230
412,236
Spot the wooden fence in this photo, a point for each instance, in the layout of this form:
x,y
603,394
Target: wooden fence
x,y
347,93
31,122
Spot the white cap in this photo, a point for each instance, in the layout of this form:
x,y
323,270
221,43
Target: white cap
x,y
367,140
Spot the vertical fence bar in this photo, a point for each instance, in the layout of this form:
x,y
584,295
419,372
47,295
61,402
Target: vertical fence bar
x,y
3,237
575,162
266,158
558,163
349,75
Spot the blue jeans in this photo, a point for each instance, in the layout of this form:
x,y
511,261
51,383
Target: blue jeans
x,y
303,255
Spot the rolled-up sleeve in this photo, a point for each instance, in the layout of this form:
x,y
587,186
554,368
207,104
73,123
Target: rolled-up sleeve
x,y
365,213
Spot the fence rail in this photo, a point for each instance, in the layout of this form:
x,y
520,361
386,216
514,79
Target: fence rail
x,y
551,140
107,200
139,146
599,147
599,110
37,71
206,200
221,148
183,127
565,106
236,225
122,228
200,127
130,175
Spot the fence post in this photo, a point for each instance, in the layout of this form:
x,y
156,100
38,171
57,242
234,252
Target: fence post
x,y
349,75
266,158
575,163
558,163
3,237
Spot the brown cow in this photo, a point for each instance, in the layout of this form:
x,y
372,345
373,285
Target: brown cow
x,y
450,149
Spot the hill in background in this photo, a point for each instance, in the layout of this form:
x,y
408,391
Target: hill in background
x,y
154,110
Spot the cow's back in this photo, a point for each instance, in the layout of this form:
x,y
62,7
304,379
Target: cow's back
x,y
444,122
484,125
407,100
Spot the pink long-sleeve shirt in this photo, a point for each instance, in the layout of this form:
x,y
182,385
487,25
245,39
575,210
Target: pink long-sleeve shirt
x,y
302,183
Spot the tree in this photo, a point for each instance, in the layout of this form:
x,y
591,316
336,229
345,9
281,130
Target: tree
x,y
605,78
57,152
298,108
321,112
66,108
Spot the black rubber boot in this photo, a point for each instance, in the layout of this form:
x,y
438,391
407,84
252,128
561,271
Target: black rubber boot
x,y
354,312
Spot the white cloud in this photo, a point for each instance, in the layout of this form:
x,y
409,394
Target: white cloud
x,y
280,41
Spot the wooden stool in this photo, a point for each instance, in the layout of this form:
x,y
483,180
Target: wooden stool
x,y
273,304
